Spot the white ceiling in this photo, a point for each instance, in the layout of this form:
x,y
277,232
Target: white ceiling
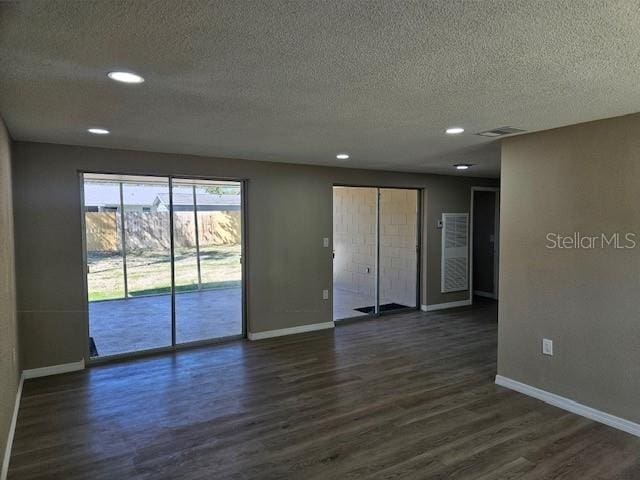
x,y
299,81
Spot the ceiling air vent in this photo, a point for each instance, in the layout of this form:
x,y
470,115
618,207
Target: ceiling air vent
x,y
498,132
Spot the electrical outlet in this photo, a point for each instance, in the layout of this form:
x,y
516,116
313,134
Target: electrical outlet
x,y
325,242
547,346
325,294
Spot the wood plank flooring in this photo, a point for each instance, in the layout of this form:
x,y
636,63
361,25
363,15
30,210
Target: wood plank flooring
x,y
409,396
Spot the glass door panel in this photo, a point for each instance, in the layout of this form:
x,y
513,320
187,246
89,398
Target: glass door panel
x,y
187,276
208,247
129,263
103,236
354,247
398,248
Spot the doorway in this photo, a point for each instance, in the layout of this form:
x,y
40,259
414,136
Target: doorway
x,y
163,262
485,208
376,250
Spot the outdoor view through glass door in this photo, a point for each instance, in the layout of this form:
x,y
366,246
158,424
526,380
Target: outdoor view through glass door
x,y
163,261
208,245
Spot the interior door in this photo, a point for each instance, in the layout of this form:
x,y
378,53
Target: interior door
x,y
484,241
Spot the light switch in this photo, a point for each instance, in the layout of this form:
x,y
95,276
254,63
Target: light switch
x,y
547,346
325,242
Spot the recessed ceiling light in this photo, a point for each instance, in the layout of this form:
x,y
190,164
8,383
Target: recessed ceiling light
x,y
463,166
98,131
125,77
342,156
454,130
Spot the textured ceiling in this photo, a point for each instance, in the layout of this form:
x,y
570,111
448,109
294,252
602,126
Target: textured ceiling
x,y
299,81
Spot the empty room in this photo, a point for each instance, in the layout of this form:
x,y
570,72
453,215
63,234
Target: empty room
x,y
306,239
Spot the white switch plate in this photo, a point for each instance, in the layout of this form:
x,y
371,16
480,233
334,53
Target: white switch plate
x,y
547,346
325,294
325,242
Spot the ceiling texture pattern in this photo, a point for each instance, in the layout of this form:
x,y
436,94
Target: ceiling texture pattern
x,y
299,81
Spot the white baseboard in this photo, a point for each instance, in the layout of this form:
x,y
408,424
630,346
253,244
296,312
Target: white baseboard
x,y
26,374
54,370
12,430
443,306
480,293
290,331
570,405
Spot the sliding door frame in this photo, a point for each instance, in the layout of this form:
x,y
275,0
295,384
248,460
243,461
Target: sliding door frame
x,y
420,195
243,266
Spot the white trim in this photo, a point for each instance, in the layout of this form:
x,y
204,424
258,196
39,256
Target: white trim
x,y
496,239
26,374
480,293
54,370
290,331
12,430
570,405
443,306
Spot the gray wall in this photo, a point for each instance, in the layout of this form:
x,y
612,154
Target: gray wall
x,y
583,178
9,354
287,269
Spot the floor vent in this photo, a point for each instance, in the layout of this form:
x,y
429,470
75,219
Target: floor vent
x,y
498,132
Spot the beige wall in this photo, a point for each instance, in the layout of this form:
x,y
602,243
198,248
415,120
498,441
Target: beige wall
x,y
9,355
583,178
287,265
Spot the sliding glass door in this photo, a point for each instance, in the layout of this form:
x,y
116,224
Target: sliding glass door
x,y
375,235
398,248
207,227
163,262
354,251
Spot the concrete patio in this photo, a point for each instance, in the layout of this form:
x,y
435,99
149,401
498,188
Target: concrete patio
x,y
143,323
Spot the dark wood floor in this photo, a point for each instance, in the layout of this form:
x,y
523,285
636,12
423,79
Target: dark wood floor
x,y
408,396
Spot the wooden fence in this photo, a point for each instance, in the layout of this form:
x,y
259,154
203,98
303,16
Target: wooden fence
x,y
150,230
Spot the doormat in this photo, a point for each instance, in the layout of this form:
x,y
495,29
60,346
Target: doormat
x,y
93,350
383,308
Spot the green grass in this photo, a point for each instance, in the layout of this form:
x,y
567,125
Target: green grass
x,y
149,273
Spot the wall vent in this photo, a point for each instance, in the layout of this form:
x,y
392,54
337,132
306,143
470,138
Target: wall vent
x,y
454,270
498,132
